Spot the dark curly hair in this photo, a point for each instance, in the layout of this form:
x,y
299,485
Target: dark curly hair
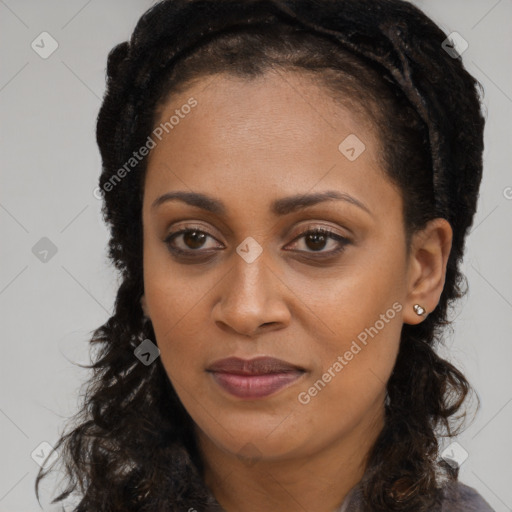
x,y
131,446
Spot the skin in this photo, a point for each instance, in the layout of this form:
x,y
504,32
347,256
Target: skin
x,y
248,143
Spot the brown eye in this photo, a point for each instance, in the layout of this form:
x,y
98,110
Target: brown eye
x,y
194,239
315,240
188,241
192,243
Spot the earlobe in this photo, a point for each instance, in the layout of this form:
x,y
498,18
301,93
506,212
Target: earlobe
x,y
430,249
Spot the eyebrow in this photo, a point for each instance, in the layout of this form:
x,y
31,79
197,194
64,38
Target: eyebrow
x,y
281,206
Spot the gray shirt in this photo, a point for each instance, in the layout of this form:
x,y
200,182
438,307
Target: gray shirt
x,y
456,497
453,498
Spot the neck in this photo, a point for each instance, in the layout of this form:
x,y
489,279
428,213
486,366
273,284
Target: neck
x,y
289,484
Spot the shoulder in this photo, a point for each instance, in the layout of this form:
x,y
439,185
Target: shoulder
x,y
458,497
452,497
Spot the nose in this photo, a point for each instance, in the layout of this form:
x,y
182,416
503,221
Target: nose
x,y
252,298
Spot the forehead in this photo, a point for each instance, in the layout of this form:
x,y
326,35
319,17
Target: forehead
x,y
279,134
276,104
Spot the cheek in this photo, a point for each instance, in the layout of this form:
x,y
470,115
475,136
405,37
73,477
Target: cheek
x,y
349,386
178,322
177,310
352,298
356,335
174,293
357,352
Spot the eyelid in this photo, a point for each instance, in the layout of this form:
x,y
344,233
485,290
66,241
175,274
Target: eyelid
x,y
302,229
183,226
175,233
330,233
341,241
309,224
319,226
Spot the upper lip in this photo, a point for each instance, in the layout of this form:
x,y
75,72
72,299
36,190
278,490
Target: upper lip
x,y
257,366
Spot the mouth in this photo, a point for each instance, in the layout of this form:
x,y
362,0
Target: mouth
x,y
254,378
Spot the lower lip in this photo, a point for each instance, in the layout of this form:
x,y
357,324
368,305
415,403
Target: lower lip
x,y
255,386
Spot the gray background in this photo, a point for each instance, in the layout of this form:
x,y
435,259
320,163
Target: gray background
x,y
50,166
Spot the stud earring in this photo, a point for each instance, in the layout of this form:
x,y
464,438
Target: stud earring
x,y
419,310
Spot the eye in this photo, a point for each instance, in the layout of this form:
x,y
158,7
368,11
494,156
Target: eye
x,y
192,239
317,239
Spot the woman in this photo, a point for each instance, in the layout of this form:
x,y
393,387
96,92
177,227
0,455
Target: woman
x,y
288,186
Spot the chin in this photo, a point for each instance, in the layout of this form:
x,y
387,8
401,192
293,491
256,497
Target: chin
x,y
257,441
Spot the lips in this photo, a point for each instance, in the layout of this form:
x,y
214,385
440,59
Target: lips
x,y
256,366
254,378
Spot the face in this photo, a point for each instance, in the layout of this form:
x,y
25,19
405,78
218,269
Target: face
x,y
247,280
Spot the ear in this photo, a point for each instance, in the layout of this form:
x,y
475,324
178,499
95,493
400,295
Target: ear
x,y
428,258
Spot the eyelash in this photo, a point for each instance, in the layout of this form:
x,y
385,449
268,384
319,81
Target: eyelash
x,y
315,231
